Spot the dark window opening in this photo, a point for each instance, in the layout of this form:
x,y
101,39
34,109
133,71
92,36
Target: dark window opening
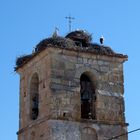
x,y
87,98
35,107
34,96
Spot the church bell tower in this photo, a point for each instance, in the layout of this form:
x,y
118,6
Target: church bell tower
x,y
71,89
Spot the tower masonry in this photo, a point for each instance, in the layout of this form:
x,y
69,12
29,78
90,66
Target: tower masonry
x,y
71,89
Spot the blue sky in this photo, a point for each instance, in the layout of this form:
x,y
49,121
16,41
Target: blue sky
x,y
23,23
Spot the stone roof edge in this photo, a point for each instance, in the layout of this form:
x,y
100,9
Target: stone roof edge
x,y
89,51
117,55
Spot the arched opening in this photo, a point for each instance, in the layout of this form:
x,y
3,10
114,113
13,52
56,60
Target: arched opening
x,y
34,96
88,97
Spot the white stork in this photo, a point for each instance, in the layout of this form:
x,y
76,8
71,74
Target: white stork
x,y
102,39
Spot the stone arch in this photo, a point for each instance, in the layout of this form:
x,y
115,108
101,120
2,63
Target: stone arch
x,y
89,134
92,73
88,95
34,96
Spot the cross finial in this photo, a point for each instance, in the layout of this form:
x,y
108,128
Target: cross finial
x,y
70,21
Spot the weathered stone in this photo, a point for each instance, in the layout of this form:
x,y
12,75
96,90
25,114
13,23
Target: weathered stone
x,y
60,96
69,65
100,62
69,74
57,73
80,60
104,68
85,60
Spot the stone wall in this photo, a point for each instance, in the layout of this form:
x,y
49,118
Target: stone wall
x,y
41,66
70,130
66,130
107,77
59,72
38,130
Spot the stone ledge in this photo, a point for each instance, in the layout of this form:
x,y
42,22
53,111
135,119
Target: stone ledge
x,y
32,124
80,121
103,122
106,93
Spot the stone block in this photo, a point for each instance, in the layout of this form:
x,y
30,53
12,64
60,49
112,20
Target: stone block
x,y
80,60
69,74
100,62
57,73
69,66
85,60
104,68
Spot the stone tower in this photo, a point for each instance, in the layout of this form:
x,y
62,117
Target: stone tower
x,y
71,89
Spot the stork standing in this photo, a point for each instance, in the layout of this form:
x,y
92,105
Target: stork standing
x,y
102,40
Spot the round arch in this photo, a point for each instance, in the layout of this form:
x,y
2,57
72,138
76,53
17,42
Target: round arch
x,y
34,96
92,73
88,95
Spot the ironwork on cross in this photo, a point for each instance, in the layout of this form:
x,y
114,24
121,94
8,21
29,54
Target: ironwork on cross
x,y
70,21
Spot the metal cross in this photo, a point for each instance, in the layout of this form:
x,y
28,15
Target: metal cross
x,y
70,21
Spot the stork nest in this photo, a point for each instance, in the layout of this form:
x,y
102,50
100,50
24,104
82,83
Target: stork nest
x,y
55,41
77,40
